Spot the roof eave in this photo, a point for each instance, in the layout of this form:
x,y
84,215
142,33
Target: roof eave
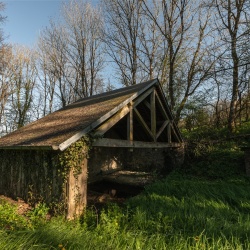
x,y
23,147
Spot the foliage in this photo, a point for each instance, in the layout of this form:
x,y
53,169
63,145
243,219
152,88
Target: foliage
x,y
214,161
74,155
214,153
38,215
9,218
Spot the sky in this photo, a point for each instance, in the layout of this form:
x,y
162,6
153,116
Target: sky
x,y
26,18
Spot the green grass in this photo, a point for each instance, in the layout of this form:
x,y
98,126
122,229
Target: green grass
x,y
179,212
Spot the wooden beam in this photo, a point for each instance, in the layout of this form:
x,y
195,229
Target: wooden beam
x,y
153,114
143,123
164,125
112,121
105,142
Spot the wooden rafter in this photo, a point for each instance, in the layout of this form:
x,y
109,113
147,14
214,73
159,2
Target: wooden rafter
x,y
142,97
112,121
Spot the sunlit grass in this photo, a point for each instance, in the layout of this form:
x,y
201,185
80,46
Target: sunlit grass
x,y
179,212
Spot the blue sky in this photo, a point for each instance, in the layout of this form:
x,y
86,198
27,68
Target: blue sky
x,y
26,18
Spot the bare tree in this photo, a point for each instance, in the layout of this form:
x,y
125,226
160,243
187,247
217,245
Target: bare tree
x,y
84,27
2,19
231,26
71,55
122,37
185,62
54,66
23,79
151,45
5,84
5,54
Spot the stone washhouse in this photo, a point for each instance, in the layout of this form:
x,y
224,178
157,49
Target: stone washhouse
x,y
130,130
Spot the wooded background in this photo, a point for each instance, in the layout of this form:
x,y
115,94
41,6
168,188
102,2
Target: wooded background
x,y
199,51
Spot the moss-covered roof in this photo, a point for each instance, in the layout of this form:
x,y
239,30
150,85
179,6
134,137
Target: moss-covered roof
x,y
75,119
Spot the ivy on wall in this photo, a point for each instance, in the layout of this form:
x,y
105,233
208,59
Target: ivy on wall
x,y
73,157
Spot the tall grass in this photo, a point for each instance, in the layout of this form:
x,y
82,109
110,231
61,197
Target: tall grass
x,y
179,212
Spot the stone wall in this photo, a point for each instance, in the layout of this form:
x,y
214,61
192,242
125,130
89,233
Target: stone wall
x,y
105,160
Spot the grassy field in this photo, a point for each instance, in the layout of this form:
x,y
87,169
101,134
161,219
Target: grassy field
x,y
178,212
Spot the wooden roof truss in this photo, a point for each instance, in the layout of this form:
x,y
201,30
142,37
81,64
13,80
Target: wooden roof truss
x,y
145,122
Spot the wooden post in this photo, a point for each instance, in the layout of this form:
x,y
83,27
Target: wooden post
x,y
153,115
130,133
169,132
77,192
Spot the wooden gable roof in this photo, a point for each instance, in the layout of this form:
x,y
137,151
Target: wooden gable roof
x,y
96,114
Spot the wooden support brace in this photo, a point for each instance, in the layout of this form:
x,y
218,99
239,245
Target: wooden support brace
x,y
147,104
143,123
164,125
178,138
